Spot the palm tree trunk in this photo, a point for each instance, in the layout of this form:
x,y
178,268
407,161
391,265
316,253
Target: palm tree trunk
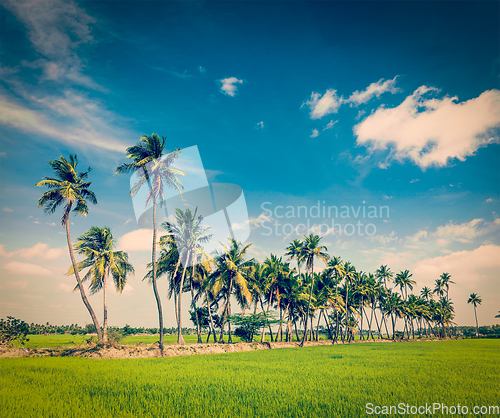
x,y
210,316
347,310
308,306
80,285
296,331
361,323
105,309
155,288
221,338
193,306
180,339
317,327
477,325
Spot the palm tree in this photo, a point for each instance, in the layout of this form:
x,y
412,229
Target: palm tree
x,y
384,275
404,282
232,271
311,250
498,316
295,251
188,237
446,281
97,245
349,276
475,300
155,170
69,188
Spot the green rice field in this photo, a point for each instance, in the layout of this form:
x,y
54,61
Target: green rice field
x,y
321,381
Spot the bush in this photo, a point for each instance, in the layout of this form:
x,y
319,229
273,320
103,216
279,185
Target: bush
x,y
13,329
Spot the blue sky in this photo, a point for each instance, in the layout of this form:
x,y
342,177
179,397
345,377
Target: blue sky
x,y
349,103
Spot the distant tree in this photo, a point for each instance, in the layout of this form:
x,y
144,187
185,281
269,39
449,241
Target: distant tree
x,y
250,323
13,329
475,300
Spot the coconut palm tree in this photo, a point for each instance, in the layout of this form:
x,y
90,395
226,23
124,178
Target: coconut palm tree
x,y
97,246
232,271
498,316
153,169
475,300
446,281
384,275
295,251
311,250
69,188
188,236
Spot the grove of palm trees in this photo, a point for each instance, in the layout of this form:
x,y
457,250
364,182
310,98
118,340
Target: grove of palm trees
x,y
286,298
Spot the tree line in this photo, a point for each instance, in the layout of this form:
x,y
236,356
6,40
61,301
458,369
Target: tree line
x,y
339,296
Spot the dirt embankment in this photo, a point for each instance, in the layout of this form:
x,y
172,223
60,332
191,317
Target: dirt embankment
x,y
152,350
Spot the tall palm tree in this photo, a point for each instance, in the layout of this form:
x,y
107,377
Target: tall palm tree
x,y
188,236
349,276
295,251
446,281
404,281
312,250
475,300
97,246
69,188
232,271
384,275
155,170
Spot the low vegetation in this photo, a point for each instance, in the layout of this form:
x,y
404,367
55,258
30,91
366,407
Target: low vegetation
x,y
325,381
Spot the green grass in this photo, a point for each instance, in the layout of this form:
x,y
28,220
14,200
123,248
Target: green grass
x,y
324,381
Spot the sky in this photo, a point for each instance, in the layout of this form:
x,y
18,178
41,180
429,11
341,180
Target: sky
x,y
373,124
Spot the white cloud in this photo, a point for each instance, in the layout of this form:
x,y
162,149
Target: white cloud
x,y
315,133
464,266
435,131
229,85
323,105
467,231
260,125
18,284
65,287
127,290
138,240
38,250
254,222
330,125
72,119
414,180
56,29
16,267
7,210
374,89
486,201
360,114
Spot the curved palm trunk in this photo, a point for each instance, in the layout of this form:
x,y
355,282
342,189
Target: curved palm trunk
x,y
155,288
308,307
80,285
211,319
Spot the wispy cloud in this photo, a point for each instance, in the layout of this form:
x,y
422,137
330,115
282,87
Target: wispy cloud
x,y
315,133
229,85
374,89
330,125
432,132
7,209
56,29
72,119
38,250
16,267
